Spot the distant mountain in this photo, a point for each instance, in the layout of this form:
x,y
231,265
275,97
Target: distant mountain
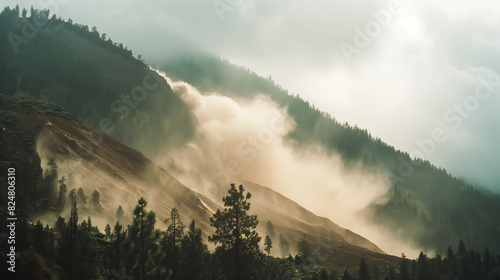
x,y
102,84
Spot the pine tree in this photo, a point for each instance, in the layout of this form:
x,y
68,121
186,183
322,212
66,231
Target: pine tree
x,y
62,193
116,247
304,249
96,201
268,245
346,276
270,230
193,253
107,230
461,248
423,267
37,172
235,236
119,213
68,243
375,272
364,274
81,197
143,235
284,246
172,241
404,273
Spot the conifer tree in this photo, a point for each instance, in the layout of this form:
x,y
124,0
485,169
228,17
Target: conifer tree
x,y
284,246
404,273
193,253
268,245
304,249
235,236
62,193
364,274
143,237
172,241
270,229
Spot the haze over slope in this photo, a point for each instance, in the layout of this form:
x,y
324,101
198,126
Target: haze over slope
x,y
246,139
94,161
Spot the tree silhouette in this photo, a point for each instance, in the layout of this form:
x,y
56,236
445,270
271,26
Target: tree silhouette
x,y
270,230
61,202
304,249
144,237
346,276
235,236
284,246
95,201
268,245
172,241
364,274
404,273
193,253
119,213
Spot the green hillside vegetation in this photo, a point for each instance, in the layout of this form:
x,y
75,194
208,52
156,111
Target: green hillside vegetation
x,y
93,78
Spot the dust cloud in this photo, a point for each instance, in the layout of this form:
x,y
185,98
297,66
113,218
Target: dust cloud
x,y
246,139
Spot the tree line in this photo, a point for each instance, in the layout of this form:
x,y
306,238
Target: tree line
x,y
75,249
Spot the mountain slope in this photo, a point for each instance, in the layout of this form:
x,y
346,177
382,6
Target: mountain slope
x,y
98,81
418,205
95,161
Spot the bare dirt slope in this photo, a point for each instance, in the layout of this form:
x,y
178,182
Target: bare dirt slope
x,y
95,161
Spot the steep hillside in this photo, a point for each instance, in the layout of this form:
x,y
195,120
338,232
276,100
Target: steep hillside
x,y
426,205
95,79
94,161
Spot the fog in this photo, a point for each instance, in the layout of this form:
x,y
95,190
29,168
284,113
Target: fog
x,y
246,139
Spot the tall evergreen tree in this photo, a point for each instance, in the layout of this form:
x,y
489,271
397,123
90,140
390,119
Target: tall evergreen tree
x,y
68,243
193,254
143,237
284,246
37,171
364,274
95,201
268,245
172,241
404,271
119,213
461,248
304,249
270,230
423,267
235,236
61,202
346,275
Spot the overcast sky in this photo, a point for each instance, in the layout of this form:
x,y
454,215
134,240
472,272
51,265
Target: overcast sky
x,y
403,74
